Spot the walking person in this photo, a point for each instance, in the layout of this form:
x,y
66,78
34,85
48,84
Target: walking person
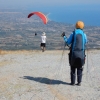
x,y
43,41
77,41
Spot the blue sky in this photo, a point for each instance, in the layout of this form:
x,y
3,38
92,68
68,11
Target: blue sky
x,y
53,1
50,2
60,10
45,3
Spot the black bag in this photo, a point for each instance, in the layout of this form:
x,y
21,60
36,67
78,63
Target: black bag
x,y
77,55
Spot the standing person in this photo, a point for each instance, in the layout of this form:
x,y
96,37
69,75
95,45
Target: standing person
x,y
43,41
77,41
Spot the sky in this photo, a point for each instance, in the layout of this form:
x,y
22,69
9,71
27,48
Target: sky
x,y
50,2
68,11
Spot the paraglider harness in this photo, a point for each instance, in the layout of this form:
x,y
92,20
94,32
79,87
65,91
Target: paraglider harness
x,y
76,60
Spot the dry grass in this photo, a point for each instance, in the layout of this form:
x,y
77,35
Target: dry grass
x,y
2,52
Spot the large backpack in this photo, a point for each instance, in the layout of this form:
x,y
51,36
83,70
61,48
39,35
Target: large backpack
x,y
77,50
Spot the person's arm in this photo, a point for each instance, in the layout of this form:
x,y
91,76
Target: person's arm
x,y
68,41
65,39
86,40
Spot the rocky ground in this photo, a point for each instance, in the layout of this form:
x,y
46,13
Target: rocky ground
x,y
37,75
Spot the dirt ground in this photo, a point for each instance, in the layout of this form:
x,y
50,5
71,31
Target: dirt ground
x,y
37,75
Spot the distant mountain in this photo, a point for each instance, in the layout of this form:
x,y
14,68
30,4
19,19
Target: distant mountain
x,y
18,32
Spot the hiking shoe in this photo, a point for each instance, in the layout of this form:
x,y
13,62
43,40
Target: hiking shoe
x,y
79,84
72,84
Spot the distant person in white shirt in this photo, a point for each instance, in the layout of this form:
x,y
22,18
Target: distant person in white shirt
x,y
43,41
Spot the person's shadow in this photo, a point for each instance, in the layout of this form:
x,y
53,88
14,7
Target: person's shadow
x,y
45,80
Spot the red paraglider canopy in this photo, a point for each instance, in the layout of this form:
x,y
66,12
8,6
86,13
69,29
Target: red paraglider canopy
x,y
41,15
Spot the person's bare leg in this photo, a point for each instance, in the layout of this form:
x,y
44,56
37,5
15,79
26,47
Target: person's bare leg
x,y
43,49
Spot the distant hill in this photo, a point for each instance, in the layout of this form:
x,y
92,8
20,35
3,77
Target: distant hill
x,y
18,32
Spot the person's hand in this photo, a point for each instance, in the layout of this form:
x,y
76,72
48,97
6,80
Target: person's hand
x,y
63,34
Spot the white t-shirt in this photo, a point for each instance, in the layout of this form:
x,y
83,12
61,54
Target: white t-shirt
x,y
43,39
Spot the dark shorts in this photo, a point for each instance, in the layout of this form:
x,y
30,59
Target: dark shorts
x,y
43,44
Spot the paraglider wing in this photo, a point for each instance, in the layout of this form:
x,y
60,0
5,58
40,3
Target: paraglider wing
x,y
41,15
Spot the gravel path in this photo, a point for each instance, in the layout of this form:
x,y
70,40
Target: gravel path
x,y
36,75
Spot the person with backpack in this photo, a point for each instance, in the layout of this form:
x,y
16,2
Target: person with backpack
x,y
77,41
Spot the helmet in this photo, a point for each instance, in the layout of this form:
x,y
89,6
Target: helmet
x,y
80,25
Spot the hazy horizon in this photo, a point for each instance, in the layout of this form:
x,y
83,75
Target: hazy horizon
x,y
68,11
